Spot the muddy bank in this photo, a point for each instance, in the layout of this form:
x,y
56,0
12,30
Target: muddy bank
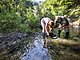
x,y
65,49
12,38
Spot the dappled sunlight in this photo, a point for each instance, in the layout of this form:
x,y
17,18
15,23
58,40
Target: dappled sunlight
x,y
21,37
67,48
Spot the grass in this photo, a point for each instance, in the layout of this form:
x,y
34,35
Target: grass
x,y
65,49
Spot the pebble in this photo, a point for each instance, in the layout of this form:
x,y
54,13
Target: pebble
x,y
11,39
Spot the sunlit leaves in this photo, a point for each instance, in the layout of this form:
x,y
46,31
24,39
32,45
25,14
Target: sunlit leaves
x,y
13,14
60,7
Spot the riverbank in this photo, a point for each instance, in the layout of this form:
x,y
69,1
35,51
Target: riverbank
x,y
65,49
57,49
10,43
11,39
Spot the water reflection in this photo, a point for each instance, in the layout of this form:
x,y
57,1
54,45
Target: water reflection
x,y
45,43
35,50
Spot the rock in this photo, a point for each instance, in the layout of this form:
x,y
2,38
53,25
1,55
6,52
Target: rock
x,y
12,38
1,48
14,42
0,41
25,35
4,46
14,49
6,42
19,37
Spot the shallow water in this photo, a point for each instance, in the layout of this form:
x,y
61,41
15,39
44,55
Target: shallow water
x,y
29,49
35,50
32,48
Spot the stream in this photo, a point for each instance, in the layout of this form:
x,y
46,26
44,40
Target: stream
x,y
34,50
31,48
34,47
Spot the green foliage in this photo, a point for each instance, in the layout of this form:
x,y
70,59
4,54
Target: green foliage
x,y
62,7
31,19
25,15
9,22
13,14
